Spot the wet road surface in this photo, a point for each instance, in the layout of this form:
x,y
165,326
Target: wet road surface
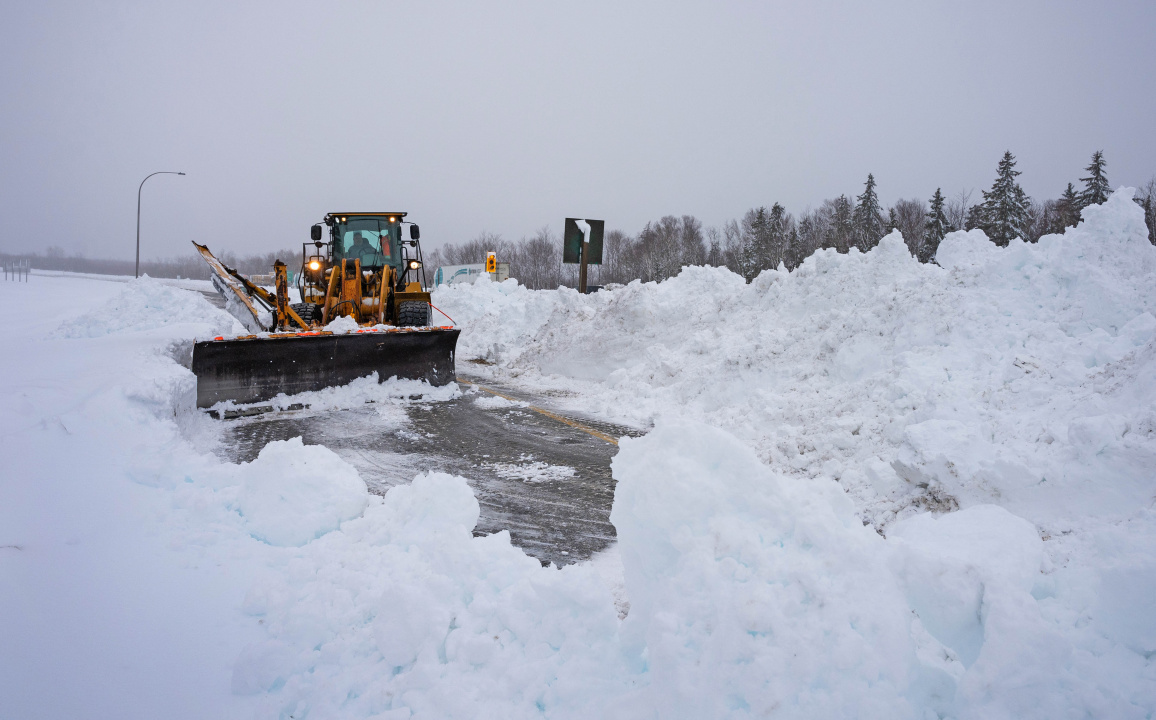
x,y
545,481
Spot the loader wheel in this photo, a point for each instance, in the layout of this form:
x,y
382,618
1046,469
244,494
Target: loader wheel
x,y
309,312
412,313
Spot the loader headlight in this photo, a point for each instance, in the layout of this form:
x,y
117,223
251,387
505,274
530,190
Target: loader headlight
x,y
314,265
414,264
392,219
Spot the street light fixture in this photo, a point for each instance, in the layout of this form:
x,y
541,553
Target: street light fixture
x,y
142,182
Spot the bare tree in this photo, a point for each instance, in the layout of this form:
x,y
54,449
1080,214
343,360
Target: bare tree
x,y
714,253
537,261
690,242
615,244
1146,198
910,218
1044,218
958,208
733,247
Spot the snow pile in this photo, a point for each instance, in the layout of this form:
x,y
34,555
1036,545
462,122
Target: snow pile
x,y
342,325
393,391
499,320
293,493
954,565
749,595
1020,375
148,304
402,611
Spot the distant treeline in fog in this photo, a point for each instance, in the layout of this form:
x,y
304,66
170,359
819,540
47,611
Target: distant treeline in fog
x,y
189,266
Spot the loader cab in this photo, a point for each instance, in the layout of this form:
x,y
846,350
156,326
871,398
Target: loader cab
x,y
375,240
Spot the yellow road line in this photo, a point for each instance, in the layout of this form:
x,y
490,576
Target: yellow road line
x,y
547,413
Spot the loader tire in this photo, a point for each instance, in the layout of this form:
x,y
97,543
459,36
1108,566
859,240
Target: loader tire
x,y
412,313
309,312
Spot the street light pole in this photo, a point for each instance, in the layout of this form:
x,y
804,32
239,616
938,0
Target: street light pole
x,y
142,182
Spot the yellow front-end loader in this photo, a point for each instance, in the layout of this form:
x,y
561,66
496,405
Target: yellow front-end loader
x,y
365,271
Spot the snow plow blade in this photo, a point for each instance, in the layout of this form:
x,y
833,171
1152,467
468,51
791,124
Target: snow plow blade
x,y
251,369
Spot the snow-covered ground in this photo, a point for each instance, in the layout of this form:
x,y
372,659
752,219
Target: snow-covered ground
x,y
776,552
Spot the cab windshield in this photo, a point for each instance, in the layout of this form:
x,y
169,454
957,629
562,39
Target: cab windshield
x,y
372,240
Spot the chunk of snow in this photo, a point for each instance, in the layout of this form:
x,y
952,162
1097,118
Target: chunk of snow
x,y
494,402
342,325
293,493
751,592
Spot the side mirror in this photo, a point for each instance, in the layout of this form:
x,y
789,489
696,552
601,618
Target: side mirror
x,y
315,233
414,233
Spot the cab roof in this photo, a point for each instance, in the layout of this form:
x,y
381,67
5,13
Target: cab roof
x,y
364,214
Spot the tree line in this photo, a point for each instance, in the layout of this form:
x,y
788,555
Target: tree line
x,y
766,238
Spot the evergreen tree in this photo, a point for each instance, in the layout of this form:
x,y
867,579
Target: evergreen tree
x,y
1067,209
754,242
809,237
1006,208
867,219
975,217
892,221
776,237
793,256
842,226
1096,188
936,228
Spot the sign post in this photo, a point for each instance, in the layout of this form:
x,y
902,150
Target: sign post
x,y
582,244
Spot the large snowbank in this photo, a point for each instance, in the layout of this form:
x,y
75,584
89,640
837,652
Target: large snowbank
x,y
1020,375
148,304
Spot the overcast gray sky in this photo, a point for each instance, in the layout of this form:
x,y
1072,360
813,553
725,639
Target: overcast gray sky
x,y
506,117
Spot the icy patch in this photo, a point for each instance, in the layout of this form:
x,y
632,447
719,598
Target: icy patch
x,y
494,402
532,471
294,493
147,304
